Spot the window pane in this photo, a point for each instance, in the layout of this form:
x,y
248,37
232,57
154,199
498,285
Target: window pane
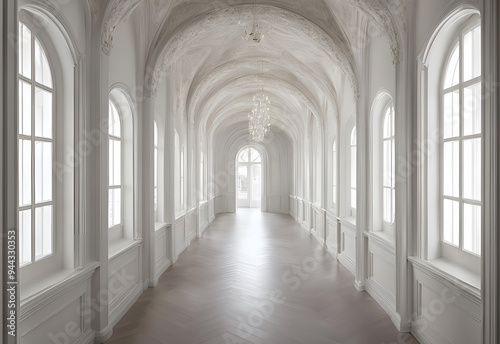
x,y
388,123
472,109
472,169
451,222
334,174
244,156
43,113
114,208
114,162
353,137
24,172
155,137
451,115
256,188
472,228
254,156
114,121
43,231
472,54
452,71
353,198
42,68
242,182
24,108
155,199
451,168
155,167
388,167
353,167
387,202
24,51
43,171
25,236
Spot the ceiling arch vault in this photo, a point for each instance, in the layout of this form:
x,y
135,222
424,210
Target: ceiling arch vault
x,y
307,60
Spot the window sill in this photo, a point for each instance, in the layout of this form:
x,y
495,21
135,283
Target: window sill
x,y
453,273
121,245
179,214
160,225
51,284
384,239
350,220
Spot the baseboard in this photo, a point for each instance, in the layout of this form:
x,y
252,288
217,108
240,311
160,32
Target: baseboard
x,y
103,335
126,302
346,262
359,285
374,290
161,270
87,337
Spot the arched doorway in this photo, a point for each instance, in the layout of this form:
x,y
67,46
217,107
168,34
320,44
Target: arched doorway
x,y
249,178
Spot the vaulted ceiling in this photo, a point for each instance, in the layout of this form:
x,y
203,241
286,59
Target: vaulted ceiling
x,y
307,59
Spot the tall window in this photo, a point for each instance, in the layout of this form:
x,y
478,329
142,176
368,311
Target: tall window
x,y
182,176
353,171
334,173
155,172
115,218
461,144
36,150
202,176
388,180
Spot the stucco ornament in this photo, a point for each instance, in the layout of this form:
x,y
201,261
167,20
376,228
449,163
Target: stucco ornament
x,y
191,33
379,12
118,11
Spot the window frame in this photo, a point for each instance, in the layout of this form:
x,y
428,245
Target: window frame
x,y
334,173
33,139
352,161
155,169
117,230
388,110
449,250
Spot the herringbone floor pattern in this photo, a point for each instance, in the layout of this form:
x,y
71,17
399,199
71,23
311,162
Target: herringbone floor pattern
x,y
256,278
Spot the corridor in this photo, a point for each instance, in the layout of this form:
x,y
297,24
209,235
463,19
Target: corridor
x,y
256,278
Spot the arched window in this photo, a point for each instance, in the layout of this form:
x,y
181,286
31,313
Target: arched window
x,y
249,182
388,169
155,171
451,166
334,173
36,209
115,194
461,143
353,171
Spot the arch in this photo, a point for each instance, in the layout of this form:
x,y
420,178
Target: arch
x,y
61,55
433,103
170,48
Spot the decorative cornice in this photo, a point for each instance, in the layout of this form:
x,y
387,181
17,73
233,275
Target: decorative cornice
x,y
337,51
118,10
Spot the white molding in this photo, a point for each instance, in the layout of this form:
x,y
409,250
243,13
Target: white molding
x,y
37,301
491,152
445,278
103,335
86,337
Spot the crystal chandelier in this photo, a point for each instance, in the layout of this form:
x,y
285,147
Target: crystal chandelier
x,y
259,121
255,35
